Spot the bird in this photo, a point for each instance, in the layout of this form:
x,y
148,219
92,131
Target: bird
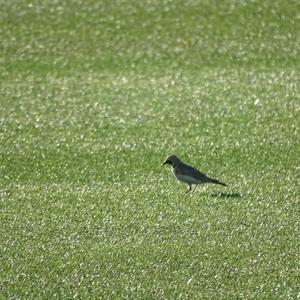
x,y
188,174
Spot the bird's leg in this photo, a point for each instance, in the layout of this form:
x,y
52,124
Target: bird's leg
x,y
194,188
190,187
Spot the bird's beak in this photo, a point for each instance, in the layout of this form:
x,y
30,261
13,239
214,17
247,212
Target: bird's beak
x,y
166,162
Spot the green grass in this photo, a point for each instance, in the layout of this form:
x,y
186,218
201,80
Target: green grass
x,y
94,95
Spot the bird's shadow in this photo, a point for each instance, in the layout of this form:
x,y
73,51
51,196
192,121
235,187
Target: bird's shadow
x,y
225,195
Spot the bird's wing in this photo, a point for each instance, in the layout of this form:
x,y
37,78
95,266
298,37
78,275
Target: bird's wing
x,y
188,170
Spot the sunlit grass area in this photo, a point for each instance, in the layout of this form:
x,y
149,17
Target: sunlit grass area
x,y
94,95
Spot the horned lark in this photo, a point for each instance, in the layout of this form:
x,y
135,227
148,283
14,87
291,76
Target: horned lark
x,y
188,174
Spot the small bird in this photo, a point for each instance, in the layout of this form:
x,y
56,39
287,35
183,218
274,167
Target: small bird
x,y
188,174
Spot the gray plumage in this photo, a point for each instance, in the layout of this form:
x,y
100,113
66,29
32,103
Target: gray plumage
x,y
188,174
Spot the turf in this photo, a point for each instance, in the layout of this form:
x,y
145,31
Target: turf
x,y
94,95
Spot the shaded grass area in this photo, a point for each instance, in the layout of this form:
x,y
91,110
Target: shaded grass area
x,y
95,95
133,35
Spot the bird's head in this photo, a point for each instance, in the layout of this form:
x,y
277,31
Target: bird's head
x,y
171,160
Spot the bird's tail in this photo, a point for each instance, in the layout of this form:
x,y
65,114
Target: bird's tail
x,y
215,181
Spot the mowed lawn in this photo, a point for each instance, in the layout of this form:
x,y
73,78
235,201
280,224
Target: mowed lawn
x,y
94,95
